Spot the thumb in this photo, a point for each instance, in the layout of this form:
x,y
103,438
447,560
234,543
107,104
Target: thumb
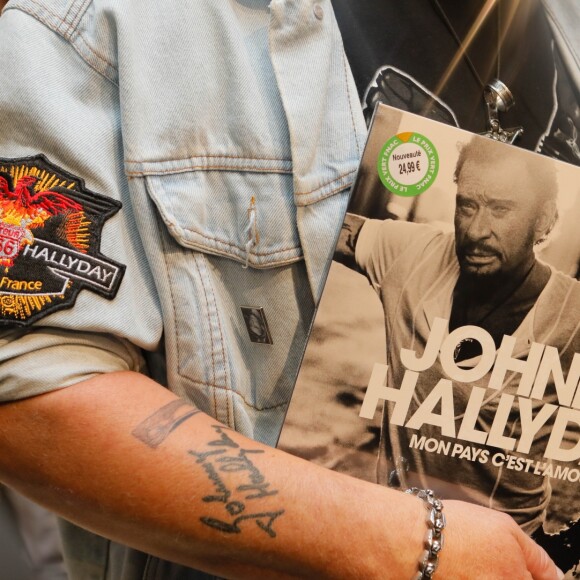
x,y
539,564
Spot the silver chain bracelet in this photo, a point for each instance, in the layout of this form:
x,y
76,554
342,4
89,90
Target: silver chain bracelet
x,y
434,538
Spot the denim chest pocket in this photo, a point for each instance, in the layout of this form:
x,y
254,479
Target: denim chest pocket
x,y
248,216
220,240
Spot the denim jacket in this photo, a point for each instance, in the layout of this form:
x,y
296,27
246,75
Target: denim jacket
x,y
230,132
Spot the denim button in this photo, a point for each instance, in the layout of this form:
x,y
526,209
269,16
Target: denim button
x,y
318,11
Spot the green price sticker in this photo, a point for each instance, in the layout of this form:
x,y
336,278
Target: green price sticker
x,y
408,164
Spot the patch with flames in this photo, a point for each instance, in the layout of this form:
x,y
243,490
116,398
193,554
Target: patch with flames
x,y
50,237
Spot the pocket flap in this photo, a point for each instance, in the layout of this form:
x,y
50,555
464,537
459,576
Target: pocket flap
x,y
249,216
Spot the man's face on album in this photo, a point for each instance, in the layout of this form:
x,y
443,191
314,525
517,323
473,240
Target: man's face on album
x,y
496,218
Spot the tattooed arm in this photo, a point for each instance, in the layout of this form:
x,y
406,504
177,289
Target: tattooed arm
x,y
123,457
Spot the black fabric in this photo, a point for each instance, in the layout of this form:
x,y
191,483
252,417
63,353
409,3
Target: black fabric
x,y
399,52
562,547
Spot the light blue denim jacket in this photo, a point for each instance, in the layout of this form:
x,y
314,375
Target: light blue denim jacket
x,y
230,131
195,116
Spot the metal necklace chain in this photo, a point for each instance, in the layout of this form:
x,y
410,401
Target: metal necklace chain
x,y
497,97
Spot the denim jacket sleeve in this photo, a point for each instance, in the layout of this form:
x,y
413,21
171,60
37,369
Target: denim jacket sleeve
x,y
53,103
230,133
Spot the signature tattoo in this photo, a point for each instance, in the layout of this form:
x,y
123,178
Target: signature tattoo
x,y
233,527
156,428
225,455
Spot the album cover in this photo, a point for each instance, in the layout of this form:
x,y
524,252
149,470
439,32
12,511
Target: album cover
x,y
444,352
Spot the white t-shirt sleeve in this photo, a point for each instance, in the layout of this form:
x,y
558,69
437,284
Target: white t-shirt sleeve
x,y
381,243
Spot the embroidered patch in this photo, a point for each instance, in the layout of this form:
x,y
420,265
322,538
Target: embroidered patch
x,y
50,236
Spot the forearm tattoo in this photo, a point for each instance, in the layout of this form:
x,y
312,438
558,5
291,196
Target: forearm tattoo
x,y
239,502
155,429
